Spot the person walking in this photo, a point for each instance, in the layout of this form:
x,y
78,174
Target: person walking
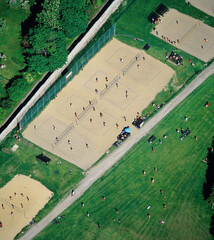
x,y
117,211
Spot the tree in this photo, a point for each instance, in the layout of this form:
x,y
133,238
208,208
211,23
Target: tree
x,y
18,89
2,91
3,25
74,18
47,50
50,15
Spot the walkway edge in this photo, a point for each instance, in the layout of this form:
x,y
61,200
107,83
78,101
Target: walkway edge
x,y
98,170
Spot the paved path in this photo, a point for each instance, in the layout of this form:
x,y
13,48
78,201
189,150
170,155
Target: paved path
x,y
97,171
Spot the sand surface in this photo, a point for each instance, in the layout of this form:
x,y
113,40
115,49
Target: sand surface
x,y
206,6
141,82
190,32
20,201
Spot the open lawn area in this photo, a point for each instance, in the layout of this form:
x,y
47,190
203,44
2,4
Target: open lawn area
x,y
134,24
128,194
10,41
56,176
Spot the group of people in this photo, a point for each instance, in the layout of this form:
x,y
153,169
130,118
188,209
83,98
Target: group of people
x,y
177,59
12,205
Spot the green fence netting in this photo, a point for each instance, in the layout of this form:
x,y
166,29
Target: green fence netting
x,y
57,87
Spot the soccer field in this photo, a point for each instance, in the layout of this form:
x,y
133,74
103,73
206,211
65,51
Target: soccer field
x,y
180,175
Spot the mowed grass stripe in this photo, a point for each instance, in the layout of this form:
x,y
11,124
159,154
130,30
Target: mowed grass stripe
x,y
180,174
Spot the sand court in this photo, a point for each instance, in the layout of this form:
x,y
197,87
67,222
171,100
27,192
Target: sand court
x,y
118,98
121,96
72,145
101,122
120,58
187,33
20,201
99,81
73,104
206,6
53,125
139,73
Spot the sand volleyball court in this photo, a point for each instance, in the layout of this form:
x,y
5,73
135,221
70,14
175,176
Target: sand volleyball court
x,y
206,6
83,121
186,33
20,201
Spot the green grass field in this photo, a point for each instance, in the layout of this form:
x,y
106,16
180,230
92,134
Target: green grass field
x,y
134,22
10,40
23,161
180,174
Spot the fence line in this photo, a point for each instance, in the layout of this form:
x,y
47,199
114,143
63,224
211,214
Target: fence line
x,y
57,87
55,75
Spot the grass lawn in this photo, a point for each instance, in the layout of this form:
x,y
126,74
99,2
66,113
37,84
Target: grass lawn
x,y
135,22
10,40
23,161
180,174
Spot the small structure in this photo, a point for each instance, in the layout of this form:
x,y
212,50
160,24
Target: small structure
x,y
151,139
138,122
43,158
153,17
146,47
161,9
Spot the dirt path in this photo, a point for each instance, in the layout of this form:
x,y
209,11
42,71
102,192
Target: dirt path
x,y
97,171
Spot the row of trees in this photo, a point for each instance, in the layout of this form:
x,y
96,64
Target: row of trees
x,y
44,43
59,19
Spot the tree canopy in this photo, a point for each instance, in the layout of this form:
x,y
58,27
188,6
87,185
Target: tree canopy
x,y
74,18
47,40
47,50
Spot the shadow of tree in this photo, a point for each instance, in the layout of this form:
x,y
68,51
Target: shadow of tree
x,y
212,226
207,187
31,20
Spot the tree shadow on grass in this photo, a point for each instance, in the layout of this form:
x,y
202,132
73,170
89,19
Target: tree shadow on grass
x,y
212,226
208,184
30,22
208,187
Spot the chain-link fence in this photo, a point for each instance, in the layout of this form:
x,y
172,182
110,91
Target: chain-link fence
x,y
57,87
